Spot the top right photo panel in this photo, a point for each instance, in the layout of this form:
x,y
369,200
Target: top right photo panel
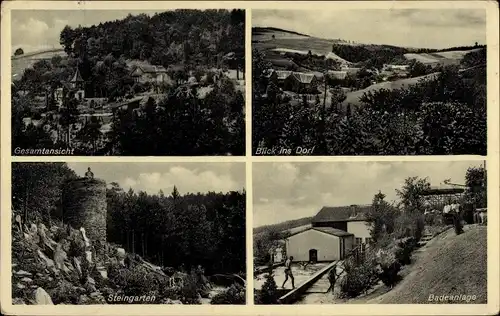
x,y
369,82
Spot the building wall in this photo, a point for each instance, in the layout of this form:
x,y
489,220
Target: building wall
x,y
359,229
327,246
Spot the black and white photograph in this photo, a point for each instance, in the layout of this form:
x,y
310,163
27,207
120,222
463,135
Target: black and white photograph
x,y
370,232
128,83
128,233
381,81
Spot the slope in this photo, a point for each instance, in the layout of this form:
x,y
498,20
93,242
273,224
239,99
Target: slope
x,y
447,265
20,63
353,97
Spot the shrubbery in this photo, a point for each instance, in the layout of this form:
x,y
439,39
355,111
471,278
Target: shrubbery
x,y
269,291
359,277
232,296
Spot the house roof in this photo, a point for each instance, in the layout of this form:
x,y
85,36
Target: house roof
x,y
333,231
77,77
337,74
443,190
150,68
283,74
327,230
303,77
342,214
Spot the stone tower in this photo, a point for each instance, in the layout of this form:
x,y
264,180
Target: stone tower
x,y
84,205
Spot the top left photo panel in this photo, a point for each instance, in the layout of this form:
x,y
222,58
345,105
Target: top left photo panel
x,y
128,82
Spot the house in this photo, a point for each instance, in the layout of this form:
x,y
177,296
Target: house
x,y
396,67
335,74
148,73
299,82
316,244
334,231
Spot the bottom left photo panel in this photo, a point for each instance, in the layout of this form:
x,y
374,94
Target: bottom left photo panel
x,y
128,233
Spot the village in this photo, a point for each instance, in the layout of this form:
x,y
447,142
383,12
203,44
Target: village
x,y
327,92
99,99
322,262
101,111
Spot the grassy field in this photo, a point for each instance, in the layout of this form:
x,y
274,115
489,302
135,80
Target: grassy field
x,y
443,58
354,96
263,40
20,63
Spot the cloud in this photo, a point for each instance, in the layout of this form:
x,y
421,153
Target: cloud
x,y
311,186
404,27
153,177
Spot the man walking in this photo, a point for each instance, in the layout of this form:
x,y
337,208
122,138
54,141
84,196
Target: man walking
x,y
332,278
288,272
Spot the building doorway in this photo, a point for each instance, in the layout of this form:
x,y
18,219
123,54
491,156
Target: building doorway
x,y
313,255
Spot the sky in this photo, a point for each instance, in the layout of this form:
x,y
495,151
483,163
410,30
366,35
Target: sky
x,y
34,30
285,191
423,28
188,177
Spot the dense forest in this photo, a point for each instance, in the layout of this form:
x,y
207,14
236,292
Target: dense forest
x,y
183,122
179,231
378,55
442,115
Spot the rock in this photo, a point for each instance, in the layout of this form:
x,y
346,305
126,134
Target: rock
x,y
84,299
102,271
26,279
59,257
44,258
120,253
18,301
171,301
42,297
20,286
88,256
33,229
22,272
84,236
78,265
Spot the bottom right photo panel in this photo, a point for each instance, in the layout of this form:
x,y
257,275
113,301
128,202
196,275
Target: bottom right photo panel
x,y
407,232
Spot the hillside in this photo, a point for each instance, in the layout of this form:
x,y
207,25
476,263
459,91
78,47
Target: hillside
x,y
21,62
443,58
288,225
262,38
447,265
354,96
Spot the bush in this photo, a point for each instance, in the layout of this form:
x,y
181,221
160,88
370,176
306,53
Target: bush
x,y
404,250
269,291
457,224
358,278
190,293
389,274
410,224
232,296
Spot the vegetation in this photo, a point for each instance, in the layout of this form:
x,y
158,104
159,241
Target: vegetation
x,y
206,229
268,295
440,115
186,42
18,52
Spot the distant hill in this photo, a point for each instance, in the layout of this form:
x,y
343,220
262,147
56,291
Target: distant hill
x,y
21,62
353,97
444,58
287,225
261,30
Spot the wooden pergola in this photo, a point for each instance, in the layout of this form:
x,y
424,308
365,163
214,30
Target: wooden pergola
x,y
440,196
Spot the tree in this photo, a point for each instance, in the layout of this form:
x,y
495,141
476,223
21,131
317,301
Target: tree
x,y
410,194
475,180
18,52
382,216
